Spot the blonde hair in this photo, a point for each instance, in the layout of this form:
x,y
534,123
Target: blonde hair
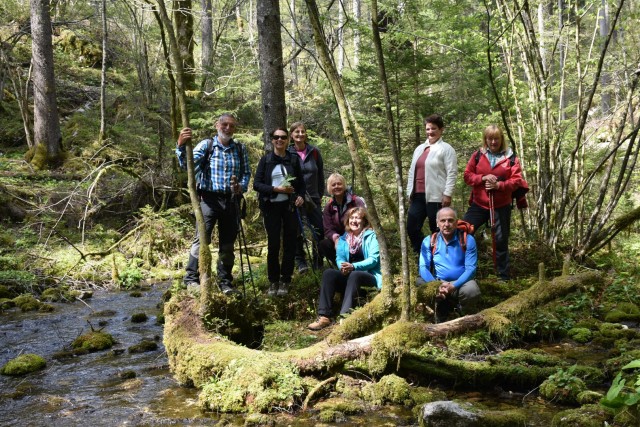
x,y
495,132
335,177
364,215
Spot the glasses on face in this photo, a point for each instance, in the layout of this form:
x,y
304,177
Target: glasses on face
x,y
281,137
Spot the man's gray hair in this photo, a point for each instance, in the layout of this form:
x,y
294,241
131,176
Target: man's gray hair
x,y
455,214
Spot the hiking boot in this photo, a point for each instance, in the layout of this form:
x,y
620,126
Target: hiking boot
x,y
284,289
193,286
320,324
273,289
229,290
303,268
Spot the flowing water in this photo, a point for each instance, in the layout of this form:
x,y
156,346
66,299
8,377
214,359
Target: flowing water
x,y
92,389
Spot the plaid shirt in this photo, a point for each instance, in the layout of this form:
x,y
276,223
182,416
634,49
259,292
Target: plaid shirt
x,y
224,162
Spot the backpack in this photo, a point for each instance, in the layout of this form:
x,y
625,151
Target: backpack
x,y
463,228
518,196
204,173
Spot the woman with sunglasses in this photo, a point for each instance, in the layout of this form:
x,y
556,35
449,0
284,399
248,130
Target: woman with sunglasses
x,y
280,186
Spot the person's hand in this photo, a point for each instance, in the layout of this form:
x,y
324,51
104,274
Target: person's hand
x,y
236,188
445,289
184,136
490,186
299,201
446,201
282,189
346,268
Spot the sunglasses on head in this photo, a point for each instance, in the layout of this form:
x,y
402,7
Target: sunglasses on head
x,y
282,137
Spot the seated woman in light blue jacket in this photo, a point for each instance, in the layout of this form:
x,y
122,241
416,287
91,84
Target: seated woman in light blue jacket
x,y
358,260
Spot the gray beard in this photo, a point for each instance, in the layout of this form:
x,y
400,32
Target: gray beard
x,y
224,138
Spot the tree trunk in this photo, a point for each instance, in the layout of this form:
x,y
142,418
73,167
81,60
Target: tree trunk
x,y
206,29
204,258
394,146
183,18
351,133
274,113
196,355
47,151
103,72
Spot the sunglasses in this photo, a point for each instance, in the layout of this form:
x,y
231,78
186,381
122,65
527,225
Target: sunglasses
x,y
282,137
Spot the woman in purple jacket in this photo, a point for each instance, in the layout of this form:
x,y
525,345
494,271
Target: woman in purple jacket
x,y
333,215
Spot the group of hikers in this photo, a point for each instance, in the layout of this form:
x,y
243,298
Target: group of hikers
x,y
290,184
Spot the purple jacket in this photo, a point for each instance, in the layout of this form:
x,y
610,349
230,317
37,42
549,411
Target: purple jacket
x,y
333,215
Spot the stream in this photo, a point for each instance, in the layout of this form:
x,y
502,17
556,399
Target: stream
x,y
94,389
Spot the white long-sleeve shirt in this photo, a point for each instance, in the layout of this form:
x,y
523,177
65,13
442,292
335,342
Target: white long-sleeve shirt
x,y
440,172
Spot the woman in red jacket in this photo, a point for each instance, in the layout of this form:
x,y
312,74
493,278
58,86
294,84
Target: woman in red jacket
x,y
493,172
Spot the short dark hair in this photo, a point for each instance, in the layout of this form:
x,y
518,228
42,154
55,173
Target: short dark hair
x,y
435,119
277,129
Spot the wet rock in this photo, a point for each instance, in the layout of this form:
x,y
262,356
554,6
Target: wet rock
x,y
143,346
93,341
127,375
23,364
447,414
139,317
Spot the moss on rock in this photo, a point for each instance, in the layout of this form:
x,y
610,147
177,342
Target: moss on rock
x,y
258,384
581,335
4,292
585,416
6,303
23,364
390,389
344,406
143,346
623,311
562,387
27,302
139,317
93,341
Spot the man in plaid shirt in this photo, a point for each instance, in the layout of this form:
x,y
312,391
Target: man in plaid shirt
x,y
227,158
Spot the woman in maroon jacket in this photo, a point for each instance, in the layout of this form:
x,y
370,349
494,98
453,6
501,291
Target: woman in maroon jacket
x,y
333,215
493,172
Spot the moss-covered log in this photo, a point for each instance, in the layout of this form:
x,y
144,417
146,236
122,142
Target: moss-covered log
x,y
195,355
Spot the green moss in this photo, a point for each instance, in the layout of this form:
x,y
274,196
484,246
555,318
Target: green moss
x,y
143,346
23,364
256,384
581,335
93,341
52,294
533,357
4,292
589,396
562,387
585,416
390,389
258,419
27,302
331,416
616,331
391,343
623,311
139,317
342,405
46,308
6,303
614,364
127,375
422,395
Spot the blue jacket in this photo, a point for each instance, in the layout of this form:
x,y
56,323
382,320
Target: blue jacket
x,y
450,262
371,251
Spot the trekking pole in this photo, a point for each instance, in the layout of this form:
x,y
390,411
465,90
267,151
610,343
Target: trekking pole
x,y
242,241
492,221
306,244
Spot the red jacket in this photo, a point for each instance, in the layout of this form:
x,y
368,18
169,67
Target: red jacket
x,y
509,179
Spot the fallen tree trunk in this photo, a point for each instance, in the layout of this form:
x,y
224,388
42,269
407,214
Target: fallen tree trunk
x,y
195,355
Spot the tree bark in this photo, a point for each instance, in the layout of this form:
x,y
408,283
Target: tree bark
x,y
103,72
397,166
351,133
183,18
274,113
204,258
47,151
206,29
